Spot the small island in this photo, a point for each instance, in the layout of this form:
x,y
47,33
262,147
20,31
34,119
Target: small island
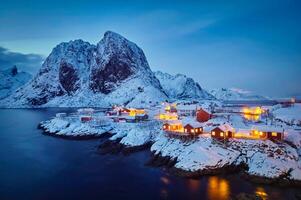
x,y
194,139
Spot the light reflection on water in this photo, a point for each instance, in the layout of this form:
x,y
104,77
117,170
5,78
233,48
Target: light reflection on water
x,y
218,188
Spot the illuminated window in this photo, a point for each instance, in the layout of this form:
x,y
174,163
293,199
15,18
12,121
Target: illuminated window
x,y
222,134
196,130
185,130
274,134
213,133
226,133
261,133
164,127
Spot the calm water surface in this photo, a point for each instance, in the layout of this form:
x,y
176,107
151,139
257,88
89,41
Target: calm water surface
x,y
35,166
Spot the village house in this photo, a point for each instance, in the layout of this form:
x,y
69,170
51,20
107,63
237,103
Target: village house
x,y
193,128
267,132
173,126
189,128
203,115
130,115
85,118
223,131
187,110
168,116
170,108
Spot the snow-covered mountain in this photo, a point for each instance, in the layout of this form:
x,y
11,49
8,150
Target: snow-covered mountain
x,y
11,79
235,94
181,87
77,73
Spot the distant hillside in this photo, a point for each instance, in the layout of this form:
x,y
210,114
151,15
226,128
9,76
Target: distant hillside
x,y
235,94
11,79
180,86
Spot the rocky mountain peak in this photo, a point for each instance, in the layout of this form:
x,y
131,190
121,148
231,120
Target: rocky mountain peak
x,y
114,67
180,86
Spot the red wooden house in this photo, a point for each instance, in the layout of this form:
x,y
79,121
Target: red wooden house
x,y
203,115
193,128
85,118
224,131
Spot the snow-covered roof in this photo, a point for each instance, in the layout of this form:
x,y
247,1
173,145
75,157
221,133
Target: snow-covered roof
x,y
191,121
174,122
267,128
226,127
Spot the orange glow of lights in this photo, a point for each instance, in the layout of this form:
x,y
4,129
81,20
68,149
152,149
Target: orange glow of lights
x,y
134,112
260,192
218,188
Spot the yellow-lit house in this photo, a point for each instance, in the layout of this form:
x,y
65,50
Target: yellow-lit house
x,y
173,126
168,116
267,132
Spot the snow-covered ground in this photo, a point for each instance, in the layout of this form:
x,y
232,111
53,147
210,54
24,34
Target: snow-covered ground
x,y
291,115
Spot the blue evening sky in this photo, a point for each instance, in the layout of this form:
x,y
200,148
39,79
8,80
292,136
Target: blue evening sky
x,y
253,45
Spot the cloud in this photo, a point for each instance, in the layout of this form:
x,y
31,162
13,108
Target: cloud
x,y
25,62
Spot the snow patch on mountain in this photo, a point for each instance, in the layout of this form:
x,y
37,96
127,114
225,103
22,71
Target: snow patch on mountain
x,y
181,87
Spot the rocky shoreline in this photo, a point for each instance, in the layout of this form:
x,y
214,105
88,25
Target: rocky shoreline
x,y
73,137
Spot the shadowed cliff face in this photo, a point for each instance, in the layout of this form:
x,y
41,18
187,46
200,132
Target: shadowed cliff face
x,y
105,79
68,78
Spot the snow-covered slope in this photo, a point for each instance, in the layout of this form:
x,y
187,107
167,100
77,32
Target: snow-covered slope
x,y
181,87
10,80
290,115
235,94
76,73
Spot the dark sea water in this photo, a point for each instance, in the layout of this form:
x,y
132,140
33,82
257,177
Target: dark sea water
x,y
36,166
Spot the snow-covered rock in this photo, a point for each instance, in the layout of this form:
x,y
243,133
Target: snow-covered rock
x,y
264,158
67,127
235,94
181,87
290,115
78,73
195,155
11,79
